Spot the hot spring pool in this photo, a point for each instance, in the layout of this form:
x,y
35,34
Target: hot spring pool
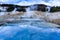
x,y
29,30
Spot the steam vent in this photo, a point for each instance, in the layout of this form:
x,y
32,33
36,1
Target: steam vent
x,y
31,22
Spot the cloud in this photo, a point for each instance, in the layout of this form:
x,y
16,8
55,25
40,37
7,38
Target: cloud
x,y
50,2
9,1
31,2
54,2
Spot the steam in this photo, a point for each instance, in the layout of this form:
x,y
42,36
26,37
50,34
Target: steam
x,y
47,10
2,10
29,13
14,11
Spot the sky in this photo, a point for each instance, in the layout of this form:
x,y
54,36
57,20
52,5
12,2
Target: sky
x,y
31,2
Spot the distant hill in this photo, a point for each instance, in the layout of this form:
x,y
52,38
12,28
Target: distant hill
x,y
35,7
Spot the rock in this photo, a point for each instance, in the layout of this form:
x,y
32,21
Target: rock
x,y
53,17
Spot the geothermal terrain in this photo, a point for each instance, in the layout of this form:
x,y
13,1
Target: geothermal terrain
x,y
52,18
15,13
27,23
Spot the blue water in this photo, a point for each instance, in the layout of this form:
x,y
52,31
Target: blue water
x,y
28,31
